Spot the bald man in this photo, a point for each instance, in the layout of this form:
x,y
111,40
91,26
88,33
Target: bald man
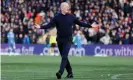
x,y
63,22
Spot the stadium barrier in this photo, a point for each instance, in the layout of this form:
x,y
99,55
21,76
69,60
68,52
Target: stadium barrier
x,y
86,50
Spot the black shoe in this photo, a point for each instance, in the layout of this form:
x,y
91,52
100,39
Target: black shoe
x,y
69,76
58,75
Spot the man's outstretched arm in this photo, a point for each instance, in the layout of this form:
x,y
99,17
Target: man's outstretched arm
x,y
76,21
46,26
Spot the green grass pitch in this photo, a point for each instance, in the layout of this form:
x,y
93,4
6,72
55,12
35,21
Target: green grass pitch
x,y
84,68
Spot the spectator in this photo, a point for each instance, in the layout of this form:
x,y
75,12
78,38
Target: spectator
x,y
11,41
48,41
120,42
106,39
52,44
26,39
3,38
127,8
16,38
131,38
83,40
114,37
33,39
77,39
20,39
126,40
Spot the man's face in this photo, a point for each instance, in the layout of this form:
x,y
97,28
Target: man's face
x,y
65,7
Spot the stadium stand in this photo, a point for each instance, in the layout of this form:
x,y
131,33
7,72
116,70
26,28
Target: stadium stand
x,y
115,18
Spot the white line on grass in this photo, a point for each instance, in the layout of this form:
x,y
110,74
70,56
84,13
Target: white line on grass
x,y
117,75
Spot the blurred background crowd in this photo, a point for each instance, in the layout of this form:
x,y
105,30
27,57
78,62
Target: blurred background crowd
x,y
115,18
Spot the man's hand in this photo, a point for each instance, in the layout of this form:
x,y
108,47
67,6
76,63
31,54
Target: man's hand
x,y
94,25
37,26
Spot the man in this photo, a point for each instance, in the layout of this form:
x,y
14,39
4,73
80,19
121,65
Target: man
x,y
77,39
11,41
131,38
126,40
26,39
52,44
63,22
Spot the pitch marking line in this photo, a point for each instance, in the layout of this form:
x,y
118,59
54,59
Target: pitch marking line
x,y
117,75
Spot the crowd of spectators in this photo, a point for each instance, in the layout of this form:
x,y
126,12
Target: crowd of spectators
x,y
115,19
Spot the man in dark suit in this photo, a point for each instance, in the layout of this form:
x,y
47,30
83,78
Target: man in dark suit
x,y
63,22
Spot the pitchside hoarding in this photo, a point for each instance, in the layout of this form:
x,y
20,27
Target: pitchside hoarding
x,y
89,50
